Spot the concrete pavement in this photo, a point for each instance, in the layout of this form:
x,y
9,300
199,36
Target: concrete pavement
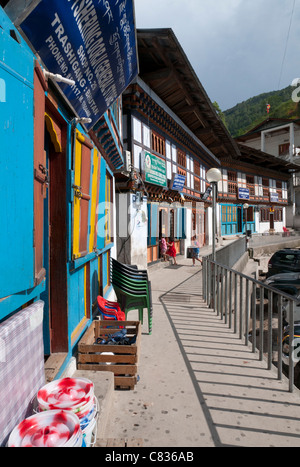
x,y
199,386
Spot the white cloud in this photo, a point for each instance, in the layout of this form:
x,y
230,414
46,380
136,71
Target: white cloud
x,y
235,46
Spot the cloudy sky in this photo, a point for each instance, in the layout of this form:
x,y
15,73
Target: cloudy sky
x,y
236,47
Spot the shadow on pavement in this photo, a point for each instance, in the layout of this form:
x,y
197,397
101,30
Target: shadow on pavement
x,y
243,403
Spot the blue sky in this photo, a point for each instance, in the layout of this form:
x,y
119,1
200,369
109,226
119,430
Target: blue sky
x,y
236,47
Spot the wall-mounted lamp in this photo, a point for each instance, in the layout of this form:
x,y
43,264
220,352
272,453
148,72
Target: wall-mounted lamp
x,y
139,198
82,120
182,196
58,78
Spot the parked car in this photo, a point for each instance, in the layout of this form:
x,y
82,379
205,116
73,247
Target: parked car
x,y
286,260
288,283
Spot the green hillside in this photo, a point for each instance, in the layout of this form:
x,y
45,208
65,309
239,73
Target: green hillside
x,y
246,115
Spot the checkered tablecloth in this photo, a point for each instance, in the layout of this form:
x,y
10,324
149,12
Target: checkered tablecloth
x,y
21,366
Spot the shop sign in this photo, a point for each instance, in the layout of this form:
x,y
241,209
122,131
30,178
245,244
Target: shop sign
x,y
177,182
243,193
91,42
274,198
155,170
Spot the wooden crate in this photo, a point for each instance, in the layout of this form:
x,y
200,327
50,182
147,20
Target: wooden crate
x,y
124,362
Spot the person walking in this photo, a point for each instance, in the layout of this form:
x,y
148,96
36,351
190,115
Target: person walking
x,y
171,251
195,250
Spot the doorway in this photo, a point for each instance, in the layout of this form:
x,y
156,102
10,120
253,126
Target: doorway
x,y
163,226
271,220
55,237
239,219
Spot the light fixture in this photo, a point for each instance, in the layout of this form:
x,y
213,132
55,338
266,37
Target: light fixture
x,y
182,196
58,78
213,175
82,120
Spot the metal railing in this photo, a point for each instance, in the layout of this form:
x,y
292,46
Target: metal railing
x,y
249,307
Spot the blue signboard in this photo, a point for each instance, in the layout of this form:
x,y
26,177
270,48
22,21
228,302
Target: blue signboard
x,y
244,193
92,42
178,182
274,197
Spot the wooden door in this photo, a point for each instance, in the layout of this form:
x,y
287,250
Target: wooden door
x,y
57,233
41,179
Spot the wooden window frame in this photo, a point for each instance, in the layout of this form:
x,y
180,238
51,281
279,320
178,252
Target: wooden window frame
x,y
108,209
81,198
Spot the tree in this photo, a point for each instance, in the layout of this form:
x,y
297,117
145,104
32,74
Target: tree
x,y
220,113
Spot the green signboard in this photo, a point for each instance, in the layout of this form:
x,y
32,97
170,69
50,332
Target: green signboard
x,y
155,170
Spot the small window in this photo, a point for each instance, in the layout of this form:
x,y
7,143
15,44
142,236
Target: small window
x,y
158,144
232,176
181,158
284,149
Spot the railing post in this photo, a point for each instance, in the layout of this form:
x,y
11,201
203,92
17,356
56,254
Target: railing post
x,y
253,313
226,297
291,341
209,284
217,289
230,300
204,278
235,302
270,333
247,314
261,324
222,292
213,291
241,307
280,329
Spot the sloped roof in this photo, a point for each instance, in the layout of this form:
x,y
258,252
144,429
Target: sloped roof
x,y
268,123
166,69
264,160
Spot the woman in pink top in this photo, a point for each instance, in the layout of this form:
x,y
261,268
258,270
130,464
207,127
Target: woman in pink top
x,y
163,248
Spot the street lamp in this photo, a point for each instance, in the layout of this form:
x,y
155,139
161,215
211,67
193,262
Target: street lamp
x,y
246,206
213,176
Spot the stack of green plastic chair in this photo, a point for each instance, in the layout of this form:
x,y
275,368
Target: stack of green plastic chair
x,y
132,288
